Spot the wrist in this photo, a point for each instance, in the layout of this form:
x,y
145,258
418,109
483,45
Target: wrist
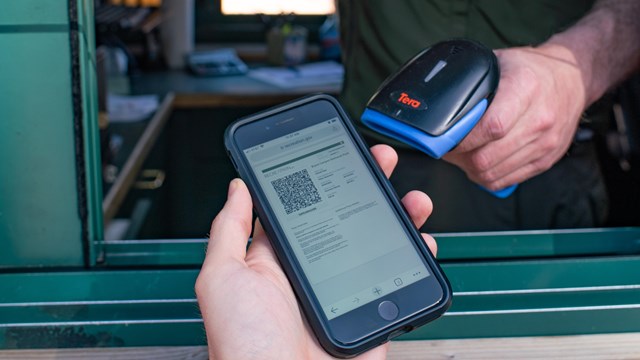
x,y
567,72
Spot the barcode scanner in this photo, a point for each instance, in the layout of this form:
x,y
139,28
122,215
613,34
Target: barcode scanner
x,y
436,98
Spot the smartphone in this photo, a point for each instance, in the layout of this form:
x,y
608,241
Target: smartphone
x,y
358,265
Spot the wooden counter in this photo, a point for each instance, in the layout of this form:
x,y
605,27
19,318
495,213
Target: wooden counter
x,y
606,346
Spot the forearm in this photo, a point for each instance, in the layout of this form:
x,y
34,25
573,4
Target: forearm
x,y
605,45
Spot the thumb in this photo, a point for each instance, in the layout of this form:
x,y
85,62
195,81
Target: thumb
x,y
231,228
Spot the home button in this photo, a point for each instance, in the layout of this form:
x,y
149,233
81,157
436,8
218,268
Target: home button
x,y
388,310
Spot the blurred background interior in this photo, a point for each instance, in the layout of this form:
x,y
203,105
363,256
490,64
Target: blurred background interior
x,y
221,59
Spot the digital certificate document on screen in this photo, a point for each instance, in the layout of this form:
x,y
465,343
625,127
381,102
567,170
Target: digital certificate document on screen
x,y
345,235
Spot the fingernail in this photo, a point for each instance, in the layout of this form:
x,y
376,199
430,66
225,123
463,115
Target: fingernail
x,y
233,185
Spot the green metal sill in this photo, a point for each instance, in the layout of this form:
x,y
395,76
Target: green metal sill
x,y
451,247
158,307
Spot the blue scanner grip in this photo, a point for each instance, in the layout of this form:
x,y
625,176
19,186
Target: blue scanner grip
x,y
434,146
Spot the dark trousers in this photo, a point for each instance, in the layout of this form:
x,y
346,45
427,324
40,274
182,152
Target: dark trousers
x,y
571,194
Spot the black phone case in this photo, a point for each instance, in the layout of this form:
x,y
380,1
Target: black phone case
x,y
302,289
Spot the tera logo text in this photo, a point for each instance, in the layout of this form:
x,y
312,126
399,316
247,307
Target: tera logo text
x,y
407,100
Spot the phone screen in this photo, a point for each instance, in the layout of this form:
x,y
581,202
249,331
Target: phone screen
x,y
344,233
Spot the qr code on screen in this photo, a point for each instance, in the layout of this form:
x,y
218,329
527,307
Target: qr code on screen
x,y
296,191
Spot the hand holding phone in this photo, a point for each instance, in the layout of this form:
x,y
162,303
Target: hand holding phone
x,y
257,301
358,267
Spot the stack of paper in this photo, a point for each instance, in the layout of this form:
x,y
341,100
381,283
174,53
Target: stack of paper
x,y
307,75
123,108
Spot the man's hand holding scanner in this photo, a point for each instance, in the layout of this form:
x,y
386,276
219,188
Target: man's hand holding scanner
x,y
542,94
531,122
